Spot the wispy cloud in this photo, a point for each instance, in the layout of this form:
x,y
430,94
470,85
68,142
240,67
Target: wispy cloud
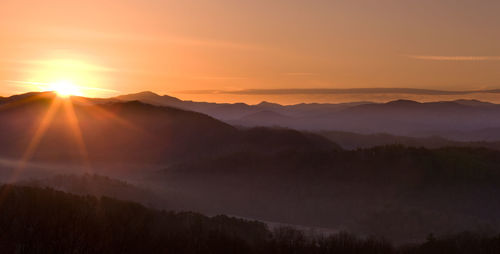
x,y
338,91
454,58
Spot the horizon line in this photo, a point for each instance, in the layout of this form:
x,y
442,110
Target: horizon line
x,y
378,90
495,91
291,91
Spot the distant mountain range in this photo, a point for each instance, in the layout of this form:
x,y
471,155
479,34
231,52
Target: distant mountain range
x,y
196,162
461,120
236,111
127,131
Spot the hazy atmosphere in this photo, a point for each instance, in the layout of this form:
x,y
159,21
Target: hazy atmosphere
x,y
250,127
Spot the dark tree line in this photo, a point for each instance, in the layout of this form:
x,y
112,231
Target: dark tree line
x,y
35,220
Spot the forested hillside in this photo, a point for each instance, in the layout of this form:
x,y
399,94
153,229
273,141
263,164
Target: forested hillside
x,y
34,220
399,192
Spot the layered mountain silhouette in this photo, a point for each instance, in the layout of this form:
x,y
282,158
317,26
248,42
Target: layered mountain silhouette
x,y
124,131
236,111
203,164
461,120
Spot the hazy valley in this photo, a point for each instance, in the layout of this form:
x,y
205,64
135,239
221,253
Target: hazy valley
x,y
401,188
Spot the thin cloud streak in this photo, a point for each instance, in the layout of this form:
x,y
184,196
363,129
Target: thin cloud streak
x,y
338,91
454,58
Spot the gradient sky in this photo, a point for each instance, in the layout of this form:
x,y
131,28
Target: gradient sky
x,y
170,47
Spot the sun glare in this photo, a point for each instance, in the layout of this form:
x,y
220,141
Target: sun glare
x,y
65,88
67,77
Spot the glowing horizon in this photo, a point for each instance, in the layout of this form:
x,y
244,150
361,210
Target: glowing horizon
x,y
112,48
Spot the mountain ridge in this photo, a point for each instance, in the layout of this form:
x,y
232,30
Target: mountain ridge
x,y
274,174
122,130
397,117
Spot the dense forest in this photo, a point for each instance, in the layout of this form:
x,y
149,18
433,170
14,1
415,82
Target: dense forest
x,y
36,220
401,193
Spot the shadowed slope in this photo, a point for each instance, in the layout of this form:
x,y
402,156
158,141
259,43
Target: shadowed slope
x,y
120,131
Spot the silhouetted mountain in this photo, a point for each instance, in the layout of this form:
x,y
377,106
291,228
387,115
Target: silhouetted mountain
x,y
22,97
220,111
117,131
236,111
410,106
123,131
279,175
416,119
461,120
475,103
152,98
269,105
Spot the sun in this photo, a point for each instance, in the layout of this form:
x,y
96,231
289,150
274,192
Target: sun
x,y
65,88
68,76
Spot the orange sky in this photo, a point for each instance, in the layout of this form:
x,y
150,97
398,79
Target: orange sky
x,y
112,47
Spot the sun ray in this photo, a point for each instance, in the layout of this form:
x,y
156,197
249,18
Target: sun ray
x,y
73,123
77,133
101,112
40,131
33,144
